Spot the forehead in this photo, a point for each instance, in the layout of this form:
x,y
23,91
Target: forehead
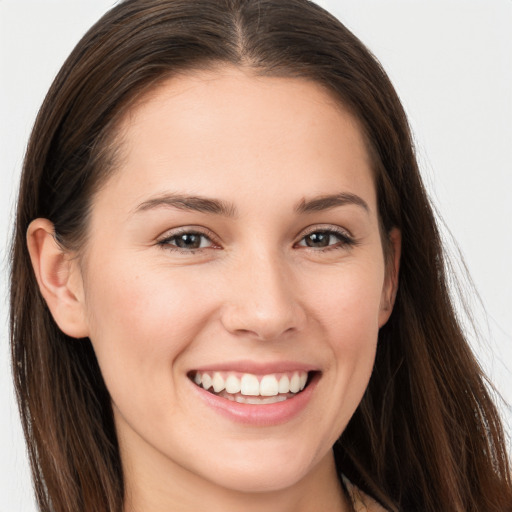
x,y
243,130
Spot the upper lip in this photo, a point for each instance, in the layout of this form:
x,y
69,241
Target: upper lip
x,y
256,368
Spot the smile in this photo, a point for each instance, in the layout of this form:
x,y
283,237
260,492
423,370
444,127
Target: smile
x,y
248,388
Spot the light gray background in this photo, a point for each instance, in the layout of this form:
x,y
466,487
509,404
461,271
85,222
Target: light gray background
x,y
451,62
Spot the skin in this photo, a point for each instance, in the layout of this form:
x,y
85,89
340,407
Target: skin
x,y
254,291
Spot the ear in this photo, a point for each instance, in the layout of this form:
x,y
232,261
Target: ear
x,y
389,290
59,278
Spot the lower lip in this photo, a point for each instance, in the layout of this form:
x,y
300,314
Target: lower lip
x,y
260,415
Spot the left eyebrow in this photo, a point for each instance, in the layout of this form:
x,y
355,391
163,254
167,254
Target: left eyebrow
x,y
327,202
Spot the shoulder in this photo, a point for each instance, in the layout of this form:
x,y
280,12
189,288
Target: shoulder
x,y
361,501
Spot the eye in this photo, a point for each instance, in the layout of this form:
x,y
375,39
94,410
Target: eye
x,y
326,239
186,241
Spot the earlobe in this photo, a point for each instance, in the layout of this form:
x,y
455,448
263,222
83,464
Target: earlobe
x,y
58,277
390,288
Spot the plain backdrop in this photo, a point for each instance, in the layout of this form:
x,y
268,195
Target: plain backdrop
x,y
451,62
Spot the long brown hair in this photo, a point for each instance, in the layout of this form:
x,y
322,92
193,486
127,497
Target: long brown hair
x,y
426,436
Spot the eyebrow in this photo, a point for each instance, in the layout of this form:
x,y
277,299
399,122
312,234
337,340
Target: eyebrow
x,y
218,207
327,202
193,203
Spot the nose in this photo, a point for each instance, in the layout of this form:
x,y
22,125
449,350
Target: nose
x,y
262,299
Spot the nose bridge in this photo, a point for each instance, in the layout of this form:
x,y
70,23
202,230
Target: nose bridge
x,y
263,300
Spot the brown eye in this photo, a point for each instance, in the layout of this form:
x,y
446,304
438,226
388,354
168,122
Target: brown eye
x,y
320,239
325,239
186,241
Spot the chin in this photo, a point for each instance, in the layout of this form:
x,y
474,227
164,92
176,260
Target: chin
x,y
260,480
261,471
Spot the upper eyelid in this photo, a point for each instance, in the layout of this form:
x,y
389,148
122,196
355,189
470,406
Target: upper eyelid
x,y
197,230
324,228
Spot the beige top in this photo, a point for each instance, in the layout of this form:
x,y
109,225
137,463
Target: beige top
x,y
361,501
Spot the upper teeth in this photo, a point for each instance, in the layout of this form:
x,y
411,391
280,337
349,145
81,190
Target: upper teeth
x,y
253,385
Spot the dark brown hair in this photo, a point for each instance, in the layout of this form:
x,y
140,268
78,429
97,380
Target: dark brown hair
x,y
426,436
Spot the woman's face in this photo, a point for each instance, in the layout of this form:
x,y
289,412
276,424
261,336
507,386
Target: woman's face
x,y
238,245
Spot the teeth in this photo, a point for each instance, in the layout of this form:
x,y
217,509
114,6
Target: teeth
x,y
269,386
295,383
257,401
250,385
233,384
206,381
217,382
303,377
284,384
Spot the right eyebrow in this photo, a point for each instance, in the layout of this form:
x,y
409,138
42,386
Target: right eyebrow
x,y
185,202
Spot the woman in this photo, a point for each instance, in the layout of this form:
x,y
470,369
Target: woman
x,y
228,285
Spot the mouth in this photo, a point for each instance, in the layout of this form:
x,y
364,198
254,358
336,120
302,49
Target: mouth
x,y
248,388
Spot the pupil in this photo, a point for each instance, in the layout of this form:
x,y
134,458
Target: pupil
x,y
318,240
188,241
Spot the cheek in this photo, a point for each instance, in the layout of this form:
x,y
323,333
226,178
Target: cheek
x,y
149,303
141,322
348,311
349,304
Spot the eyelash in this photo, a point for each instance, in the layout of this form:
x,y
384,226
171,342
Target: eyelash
x,y
167,244
344,240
